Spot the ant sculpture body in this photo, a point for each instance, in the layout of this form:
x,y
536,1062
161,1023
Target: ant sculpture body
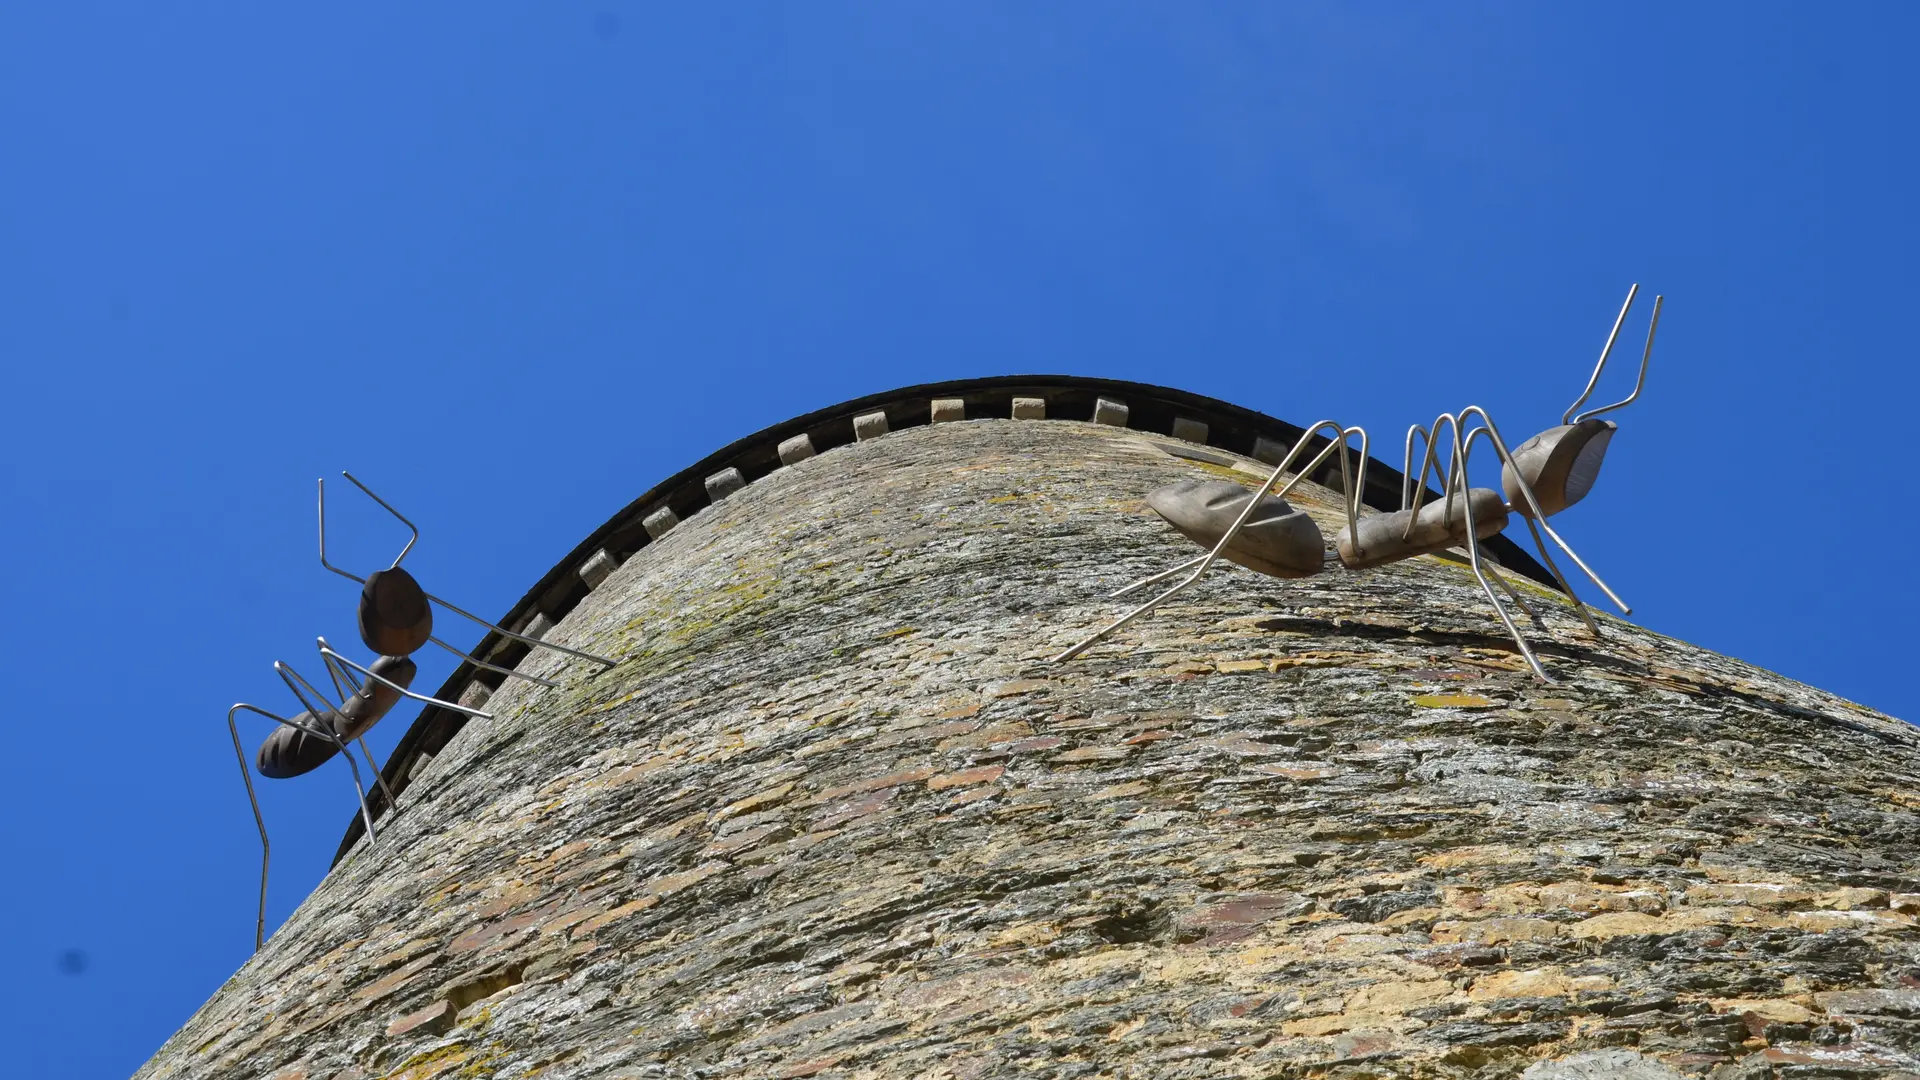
x,y
1543,476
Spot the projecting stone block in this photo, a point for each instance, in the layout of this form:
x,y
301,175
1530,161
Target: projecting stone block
x,y
796,450
947,409
419,765
1109,411
724,483
1192,431
597,568
660,522
1265,449
475,695
869,426
537,626
1029,408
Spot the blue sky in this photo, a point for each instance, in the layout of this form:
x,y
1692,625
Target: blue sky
x,y
513,264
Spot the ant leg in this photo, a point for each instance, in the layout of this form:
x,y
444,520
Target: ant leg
x,y
1492,434
260,822
533,641
1207,560
1507,586
266,847
1567,586
479,663
1161,576
1584,568
393,801
327,651
1473,557
290,676
1460,454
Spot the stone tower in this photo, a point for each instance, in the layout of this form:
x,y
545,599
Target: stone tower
x,y
835,815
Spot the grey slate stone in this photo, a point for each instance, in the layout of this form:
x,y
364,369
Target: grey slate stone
x,y
869,426
597,568
795,450
660,522
1192,431
724,483
1601,1065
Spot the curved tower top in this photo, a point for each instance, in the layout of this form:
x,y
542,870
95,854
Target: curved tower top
x,y
837,812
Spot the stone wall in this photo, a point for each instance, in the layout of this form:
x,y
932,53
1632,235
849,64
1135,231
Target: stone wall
x,y
835,815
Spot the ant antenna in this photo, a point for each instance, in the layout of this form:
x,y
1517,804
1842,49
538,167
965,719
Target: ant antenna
x,y
1646,356
1594,380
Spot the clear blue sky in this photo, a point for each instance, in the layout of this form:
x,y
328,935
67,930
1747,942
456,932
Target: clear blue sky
x,y
516,263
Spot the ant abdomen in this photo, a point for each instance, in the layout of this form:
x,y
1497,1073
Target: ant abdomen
x,y
298,749
1276,539
395,617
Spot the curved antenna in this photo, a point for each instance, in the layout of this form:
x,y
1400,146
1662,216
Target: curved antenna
x,y
326,650
323,538
389,508
1594,379
1645,356
1207,560
479,663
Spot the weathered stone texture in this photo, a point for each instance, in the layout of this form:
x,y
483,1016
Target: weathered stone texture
x,y
835,815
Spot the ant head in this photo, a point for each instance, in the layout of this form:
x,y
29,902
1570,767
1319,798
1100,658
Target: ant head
x,y
395,617
1560,465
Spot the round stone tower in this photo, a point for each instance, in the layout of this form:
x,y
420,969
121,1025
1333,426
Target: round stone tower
x,y
835,813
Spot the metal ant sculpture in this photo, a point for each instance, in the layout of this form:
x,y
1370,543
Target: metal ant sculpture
x,y
395,620
1545,475
304,742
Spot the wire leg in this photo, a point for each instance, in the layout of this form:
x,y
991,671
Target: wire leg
x,y
1565,585
1161,576
1584,568
479,663
1525,605
1123,620
393,803
290,676
535,642
1473,556
266,848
